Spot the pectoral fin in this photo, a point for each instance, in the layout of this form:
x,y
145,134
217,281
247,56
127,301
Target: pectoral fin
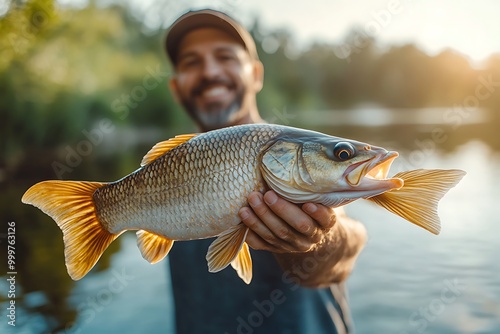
x,y
225,249
153,247
418,199
243,264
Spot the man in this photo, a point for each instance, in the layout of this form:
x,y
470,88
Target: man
x,y
299,252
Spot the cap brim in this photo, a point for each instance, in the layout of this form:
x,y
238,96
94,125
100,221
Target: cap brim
x,y
206,18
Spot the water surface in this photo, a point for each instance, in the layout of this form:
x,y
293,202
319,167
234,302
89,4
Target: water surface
x,y
406,280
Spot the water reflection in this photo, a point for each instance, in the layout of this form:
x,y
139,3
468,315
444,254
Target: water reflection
x,y
402,269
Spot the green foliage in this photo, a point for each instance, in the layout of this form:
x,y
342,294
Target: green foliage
x,y
62,75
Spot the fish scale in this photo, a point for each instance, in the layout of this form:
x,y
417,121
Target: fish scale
x,y
193,191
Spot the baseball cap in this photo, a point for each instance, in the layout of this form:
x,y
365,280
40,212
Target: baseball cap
x,y
206,18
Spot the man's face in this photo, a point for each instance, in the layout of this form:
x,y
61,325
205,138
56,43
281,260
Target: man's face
x,y
215,78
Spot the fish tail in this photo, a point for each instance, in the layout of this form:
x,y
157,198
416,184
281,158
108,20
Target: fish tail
x,y
417,201
71,205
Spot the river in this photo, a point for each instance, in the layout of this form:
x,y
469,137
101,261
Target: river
x,y
405,281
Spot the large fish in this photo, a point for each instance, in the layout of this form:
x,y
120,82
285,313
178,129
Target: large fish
x,y
192,187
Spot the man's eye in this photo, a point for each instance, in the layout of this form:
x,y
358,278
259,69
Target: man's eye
x,y
225,57
187,63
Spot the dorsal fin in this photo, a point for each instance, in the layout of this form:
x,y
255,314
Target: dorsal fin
x,y
165,146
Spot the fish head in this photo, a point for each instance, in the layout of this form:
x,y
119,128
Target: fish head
x,y
324,169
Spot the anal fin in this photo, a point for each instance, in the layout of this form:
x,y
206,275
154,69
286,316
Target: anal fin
x,y
243,264
153,247
226,248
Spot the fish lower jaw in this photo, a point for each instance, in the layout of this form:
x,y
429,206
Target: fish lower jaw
x,y
369,187
370,184
340,198
337,199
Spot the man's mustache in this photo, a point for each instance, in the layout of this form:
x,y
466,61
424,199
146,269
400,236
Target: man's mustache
x,y
204,84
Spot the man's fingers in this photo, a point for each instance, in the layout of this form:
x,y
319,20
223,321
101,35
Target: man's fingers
x,y
275,229
324,216
292,214
263,231
280,226
256,242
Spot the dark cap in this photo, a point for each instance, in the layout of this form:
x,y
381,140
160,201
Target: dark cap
x,y
206,18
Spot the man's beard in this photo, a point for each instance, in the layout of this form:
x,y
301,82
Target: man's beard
x,y
215,119
214,116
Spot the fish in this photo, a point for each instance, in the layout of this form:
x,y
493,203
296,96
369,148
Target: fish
x,y
192,187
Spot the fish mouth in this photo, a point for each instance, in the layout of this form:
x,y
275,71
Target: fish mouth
x,y
372,173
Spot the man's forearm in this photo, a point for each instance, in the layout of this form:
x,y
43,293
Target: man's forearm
x,y
330,261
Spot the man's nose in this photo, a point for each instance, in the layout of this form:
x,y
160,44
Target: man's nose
x,y
211,68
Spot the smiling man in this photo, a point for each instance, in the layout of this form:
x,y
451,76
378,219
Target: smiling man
x,y
216,78
303,253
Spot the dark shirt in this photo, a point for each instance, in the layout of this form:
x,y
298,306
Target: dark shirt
x,y
272,303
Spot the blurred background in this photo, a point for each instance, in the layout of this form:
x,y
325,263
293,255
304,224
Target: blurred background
x,y
84,95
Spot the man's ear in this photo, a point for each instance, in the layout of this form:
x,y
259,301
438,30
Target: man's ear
x,y
172,84
258,73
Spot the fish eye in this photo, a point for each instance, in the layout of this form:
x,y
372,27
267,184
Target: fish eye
x,y
343,151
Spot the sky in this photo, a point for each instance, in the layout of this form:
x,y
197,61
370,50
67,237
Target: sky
x,y
468,26
471,27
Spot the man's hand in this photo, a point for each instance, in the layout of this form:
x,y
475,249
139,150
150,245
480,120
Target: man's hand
x,y
303,235
279,226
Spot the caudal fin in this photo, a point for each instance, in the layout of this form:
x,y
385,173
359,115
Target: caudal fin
x,y
418,199
71,205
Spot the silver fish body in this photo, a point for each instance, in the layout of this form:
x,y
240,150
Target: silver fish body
x,y
194,190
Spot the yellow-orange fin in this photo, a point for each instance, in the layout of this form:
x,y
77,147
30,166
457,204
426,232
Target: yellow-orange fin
x,y
226,247
165,146
71,205
243,264
418,199
153,247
